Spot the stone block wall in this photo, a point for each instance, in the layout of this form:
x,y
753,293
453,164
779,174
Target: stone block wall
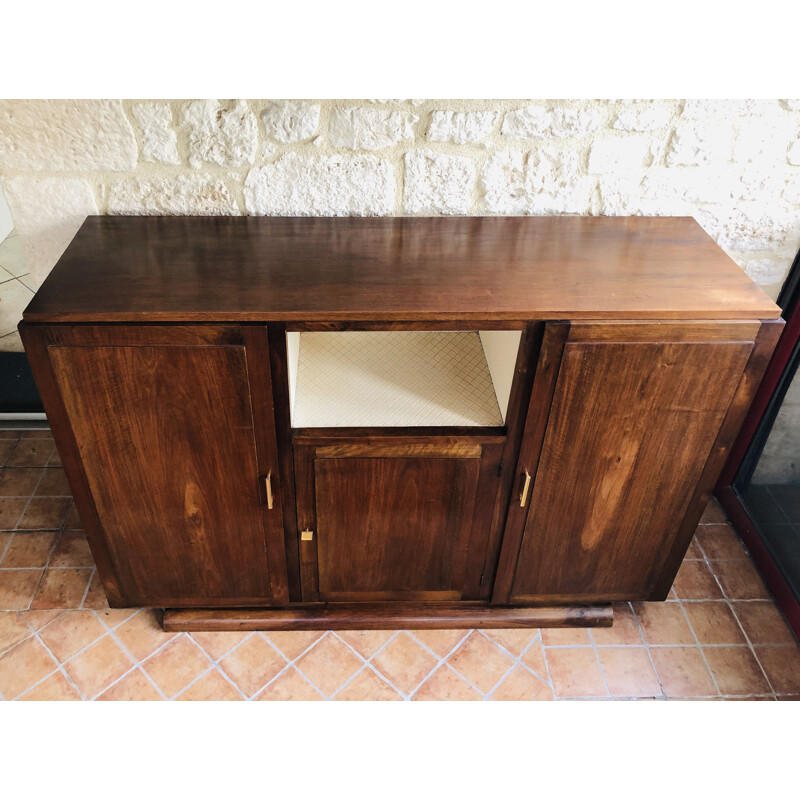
x,y
732,164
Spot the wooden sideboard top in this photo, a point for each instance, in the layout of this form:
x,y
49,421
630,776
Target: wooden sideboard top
x,y
394,269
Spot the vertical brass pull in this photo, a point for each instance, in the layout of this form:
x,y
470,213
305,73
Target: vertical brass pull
x,y
527,485
269,490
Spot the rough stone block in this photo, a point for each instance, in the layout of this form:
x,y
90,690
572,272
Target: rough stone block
x,y
461,127
291,122
369,128
543,182
618,154
437,183
538,121
159,142
326,186
707,143
191,194
643,117
65,135
220,134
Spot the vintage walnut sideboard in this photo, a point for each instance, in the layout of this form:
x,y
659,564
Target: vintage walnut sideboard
x,y
365,423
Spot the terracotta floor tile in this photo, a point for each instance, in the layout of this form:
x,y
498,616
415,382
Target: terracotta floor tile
x,y
29,550
515,640
694,552
96,596
12,630
72,550
53,484
782,665
253,664
713,513
763,622
623,631
740,580
97,667
17,587
23,666
36,433
329,664
534,659
11,509
44,514
36,620
663,623
142,634
62,588
292,643
445,684
440,642
521,685
134,686
211,686
55,459
404,662
19,482
114,617
575,672
5,540
628,672
367,686
72,632
177,665
682,672
6,449
367,643
218,643
695,581
31,453
570,637
290,685
481,662
736,671
720,543
56,687
713,623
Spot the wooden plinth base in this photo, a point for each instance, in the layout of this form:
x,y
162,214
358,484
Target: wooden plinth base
x,y
388,616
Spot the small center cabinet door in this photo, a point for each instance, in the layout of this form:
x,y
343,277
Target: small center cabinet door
x,y
165,424
393,522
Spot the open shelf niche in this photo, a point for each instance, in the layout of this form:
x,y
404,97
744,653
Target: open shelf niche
x,y
368,379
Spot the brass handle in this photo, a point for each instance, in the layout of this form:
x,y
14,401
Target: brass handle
x,y
306,535
269,490
527,485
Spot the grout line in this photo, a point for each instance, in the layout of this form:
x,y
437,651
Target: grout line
x,y
729,603
88,583
441,660
647,649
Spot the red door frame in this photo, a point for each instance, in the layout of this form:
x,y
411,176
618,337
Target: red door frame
x,y
730,501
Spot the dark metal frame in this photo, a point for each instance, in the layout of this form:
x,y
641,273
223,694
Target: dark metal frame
x,y
750,443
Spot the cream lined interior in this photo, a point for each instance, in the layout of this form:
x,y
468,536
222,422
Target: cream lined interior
x,y
400,378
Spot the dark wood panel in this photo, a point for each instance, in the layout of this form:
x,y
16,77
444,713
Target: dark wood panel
x,y
536,412
236,269
393,527
416,435
406,325
35,337
388,616
166,440
630,429
269,471
664,571
111,335
279,370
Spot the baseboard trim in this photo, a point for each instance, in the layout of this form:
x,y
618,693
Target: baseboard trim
x,y
385,616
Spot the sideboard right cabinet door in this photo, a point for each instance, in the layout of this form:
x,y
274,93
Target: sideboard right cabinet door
x,y
635,409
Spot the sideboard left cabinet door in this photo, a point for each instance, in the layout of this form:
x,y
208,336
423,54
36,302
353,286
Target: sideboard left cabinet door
x,y
167,438
625,437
